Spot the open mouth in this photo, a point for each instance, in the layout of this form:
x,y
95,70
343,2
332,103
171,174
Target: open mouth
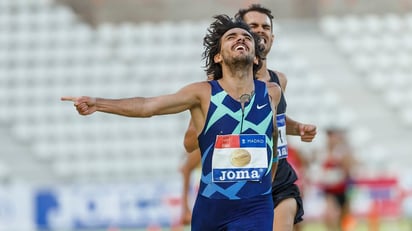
x,y
262,41
262,44
240,47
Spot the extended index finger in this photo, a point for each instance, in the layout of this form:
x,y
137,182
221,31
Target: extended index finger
x,y
68,98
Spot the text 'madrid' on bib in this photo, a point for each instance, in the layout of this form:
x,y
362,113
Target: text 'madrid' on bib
x,y
282,142
239,158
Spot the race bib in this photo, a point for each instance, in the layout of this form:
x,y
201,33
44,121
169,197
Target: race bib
x,y
282,142
239,158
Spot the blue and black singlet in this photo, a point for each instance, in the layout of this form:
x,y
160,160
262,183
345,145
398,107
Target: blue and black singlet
x,y
285,174
236,147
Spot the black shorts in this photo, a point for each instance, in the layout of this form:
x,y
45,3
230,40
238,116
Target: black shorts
x,y
290,191
340,198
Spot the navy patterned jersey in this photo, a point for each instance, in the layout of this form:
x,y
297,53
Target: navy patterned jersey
x,y
237,145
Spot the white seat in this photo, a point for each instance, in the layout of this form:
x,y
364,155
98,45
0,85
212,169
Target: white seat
x,y
147,33
170,34
45,150
369,44
63,15
352,24
331,25
126,33
348,44
189,32
408,21
359,136
393,98
5,170
406,114
106,32
400,80
392,23
362,62
377,80
63,169
383,61
390,43
82,35
7,19
372,24
406,41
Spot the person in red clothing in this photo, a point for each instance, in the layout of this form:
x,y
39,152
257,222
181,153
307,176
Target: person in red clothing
x,y
298,164
335,179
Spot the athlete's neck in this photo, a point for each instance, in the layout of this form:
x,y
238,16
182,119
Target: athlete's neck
x,y
263,73
237,87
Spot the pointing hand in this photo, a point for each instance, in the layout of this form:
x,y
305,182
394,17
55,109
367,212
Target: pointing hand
x,y
84,105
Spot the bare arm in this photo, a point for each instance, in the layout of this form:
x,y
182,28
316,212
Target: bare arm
x,y
193,159
186,98
190,141
275,93
274,164
283,80
307,132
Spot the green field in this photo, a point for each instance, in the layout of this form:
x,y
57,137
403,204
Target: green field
x,y
387,225
363,225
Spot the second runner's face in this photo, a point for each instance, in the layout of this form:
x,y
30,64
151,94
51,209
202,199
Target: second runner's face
x,y
260,24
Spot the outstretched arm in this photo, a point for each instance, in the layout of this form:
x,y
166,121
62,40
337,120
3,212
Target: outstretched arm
x,y
184,99
132,107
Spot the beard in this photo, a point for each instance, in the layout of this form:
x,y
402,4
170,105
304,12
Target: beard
x,y
264,47
240,61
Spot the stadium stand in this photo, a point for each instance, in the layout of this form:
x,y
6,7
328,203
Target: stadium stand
x,y
51,53
56,167
379,53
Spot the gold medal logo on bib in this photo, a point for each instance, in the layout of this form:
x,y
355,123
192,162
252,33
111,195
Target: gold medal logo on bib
x,y
240,157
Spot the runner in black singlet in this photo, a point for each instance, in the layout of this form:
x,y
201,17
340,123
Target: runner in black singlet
x,y
286,195
284,186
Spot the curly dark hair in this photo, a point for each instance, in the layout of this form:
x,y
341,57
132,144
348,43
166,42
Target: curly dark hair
x,y
258,8
212,44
